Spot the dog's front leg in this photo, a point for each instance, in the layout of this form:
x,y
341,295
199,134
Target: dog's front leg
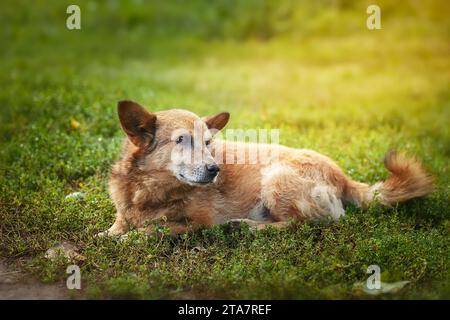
x,y
119,228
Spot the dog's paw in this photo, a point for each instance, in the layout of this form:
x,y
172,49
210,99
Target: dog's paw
x,y
108,233
101,234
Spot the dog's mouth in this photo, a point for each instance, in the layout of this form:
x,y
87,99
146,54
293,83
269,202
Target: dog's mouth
x,y
203,182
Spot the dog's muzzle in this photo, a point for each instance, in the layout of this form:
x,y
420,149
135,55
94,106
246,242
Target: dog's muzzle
x,y
208,174
202,175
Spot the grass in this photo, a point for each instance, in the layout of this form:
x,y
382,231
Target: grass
x,y
316,73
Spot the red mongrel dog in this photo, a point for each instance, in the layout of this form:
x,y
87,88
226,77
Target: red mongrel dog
x,y
159,179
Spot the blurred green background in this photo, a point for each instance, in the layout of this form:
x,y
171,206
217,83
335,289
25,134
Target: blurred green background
x,y
310,68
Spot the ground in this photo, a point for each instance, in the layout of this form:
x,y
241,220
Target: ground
x,y
317,74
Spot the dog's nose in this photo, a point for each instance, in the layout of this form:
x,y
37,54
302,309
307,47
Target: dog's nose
x,y
213,169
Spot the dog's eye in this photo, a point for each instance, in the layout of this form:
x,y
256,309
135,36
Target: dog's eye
x,y
179,139
208,142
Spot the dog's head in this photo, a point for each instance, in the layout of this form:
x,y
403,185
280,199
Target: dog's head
x,y
174,140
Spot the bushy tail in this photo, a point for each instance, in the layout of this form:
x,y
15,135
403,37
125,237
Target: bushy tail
x,y
408,180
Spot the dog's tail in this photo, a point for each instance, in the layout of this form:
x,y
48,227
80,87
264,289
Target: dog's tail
x,y
408,180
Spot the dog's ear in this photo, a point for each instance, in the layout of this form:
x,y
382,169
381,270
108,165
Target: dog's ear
x,y
217,121
138,123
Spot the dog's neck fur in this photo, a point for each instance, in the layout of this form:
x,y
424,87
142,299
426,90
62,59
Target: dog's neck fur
x,y
160,187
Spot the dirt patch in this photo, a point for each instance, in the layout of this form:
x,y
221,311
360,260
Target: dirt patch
x,y
17,285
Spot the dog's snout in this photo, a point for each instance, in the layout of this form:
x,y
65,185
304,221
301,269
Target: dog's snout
x,y
213,169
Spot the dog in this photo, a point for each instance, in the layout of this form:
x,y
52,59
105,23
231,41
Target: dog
x,y
158,182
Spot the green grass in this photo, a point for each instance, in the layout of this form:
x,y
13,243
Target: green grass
x,y
314,71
